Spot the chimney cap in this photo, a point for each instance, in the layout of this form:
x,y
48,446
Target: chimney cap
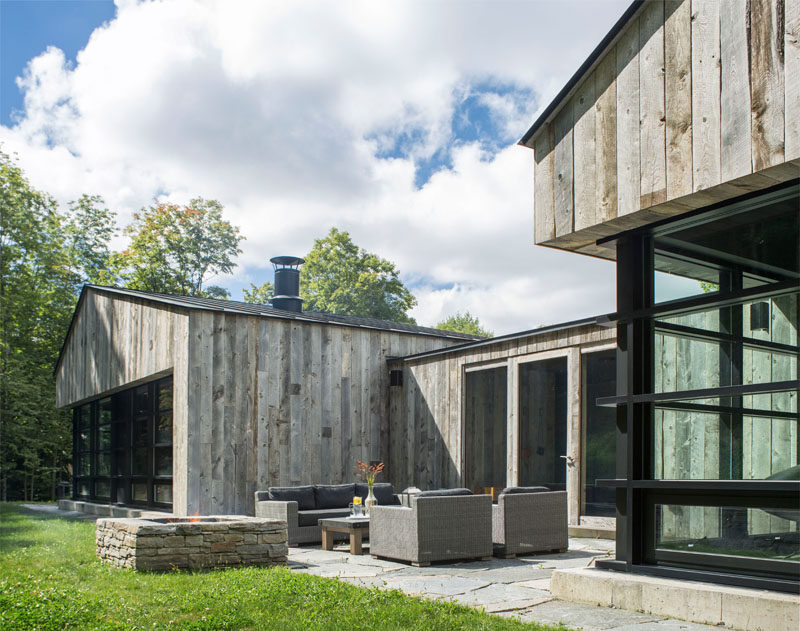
x,y
286,261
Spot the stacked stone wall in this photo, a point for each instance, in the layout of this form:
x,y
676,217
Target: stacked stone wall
x,y
147,545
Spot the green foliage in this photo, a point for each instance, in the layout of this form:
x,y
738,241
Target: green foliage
x,y
260,295
50,578
37,294
88,228
176,249
339,277
464,323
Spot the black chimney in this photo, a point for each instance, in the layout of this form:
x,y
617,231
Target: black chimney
x,y
287,283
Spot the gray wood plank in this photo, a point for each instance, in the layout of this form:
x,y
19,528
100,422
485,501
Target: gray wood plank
x,y
678,97
791,73
652,117
767,84
735,85
705,94
628,157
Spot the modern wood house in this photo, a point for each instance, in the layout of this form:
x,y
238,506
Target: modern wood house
x,y
192,404
675,150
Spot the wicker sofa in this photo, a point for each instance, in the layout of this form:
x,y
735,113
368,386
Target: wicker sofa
x,y
529,519
301,507
439,525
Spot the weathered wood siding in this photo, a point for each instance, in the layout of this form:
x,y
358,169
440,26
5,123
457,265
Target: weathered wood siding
x,y
427,413
280,402
694,102
116,342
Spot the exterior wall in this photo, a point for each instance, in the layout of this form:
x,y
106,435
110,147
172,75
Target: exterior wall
x,y
116,342
694,102
278,402
426,413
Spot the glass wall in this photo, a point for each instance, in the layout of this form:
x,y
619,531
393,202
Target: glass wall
x,y
485,438
599,433
708,308
123,446
543,423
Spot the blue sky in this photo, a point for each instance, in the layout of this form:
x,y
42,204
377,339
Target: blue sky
x,y
396,121
28,27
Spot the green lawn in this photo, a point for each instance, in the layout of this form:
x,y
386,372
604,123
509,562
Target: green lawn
x,y
51,579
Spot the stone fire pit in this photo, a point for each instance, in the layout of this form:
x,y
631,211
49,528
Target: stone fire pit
x,y
192,542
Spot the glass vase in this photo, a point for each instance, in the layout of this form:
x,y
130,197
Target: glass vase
x,y
370,501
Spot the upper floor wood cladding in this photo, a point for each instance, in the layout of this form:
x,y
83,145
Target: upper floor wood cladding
x,y
691,103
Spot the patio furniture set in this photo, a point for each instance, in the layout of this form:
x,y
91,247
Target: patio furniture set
x,y
426,527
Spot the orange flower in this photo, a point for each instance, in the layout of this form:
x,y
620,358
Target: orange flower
x,y
368,471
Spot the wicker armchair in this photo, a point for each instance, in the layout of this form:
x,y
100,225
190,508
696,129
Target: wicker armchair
x,y
525,522
433,529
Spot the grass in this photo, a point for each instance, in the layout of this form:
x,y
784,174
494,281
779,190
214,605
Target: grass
x,y
50,578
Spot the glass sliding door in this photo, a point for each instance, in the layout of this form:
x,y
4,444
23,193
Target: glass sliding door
x,y
599,433
485,434
543,423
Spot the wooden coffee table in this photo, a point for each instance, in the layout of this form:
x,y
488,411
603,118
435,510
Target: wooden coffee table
x,y
353,526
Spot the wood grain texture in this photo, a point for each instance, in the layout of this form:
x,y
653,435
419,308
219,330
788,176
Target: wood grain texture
x,y
706,94
628,156
735,86
543,211
652,117
767,88
584,140
563,173
678,97
791,49
605,85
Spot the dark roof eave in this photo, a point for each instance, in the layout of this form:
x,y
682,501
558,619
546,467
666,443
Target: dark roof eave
x,y
572,83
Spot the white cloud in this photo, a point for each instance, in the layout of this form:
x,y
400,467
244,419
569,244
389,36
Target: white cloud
x,y
279,109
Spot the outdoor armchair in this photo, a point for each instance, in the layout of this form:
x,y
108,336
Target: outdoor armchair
x,y
433,528
529,519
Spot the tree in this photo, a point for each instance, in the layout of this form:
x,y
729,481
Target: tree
x,y
464,323
260,295
37,295
339,277
88,228
176,249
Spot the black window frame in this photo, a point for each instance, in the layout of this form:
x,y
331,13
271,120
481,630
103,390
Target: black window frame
x,y
120,450
636,491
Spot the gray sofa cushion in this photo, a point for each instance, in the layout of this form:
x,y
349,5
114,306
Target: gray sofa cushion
x,y
262,496
382,491
311,517
334,495
444,492
303,495
511,490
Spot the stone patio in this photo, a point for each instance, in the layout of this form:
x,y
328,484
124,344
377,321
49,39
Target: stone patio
x,y
507,587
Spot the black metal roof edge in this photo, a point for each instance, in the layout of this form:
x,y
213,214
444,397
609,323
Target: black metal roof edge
x,y
210,304
593,56
506,338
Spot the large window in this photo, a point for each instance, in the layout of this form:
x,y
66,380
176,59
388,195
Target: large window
x,y
708,400
123,447
543,423
485,437
599,433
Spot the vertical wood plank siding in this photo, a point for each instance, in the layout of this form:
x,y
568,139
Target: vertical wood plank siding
x,y
426,414
692,103
258,402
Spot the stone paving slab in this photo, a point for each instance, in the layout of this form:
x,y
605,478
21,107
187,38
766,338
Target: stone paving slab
x,y
578,615
517,587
